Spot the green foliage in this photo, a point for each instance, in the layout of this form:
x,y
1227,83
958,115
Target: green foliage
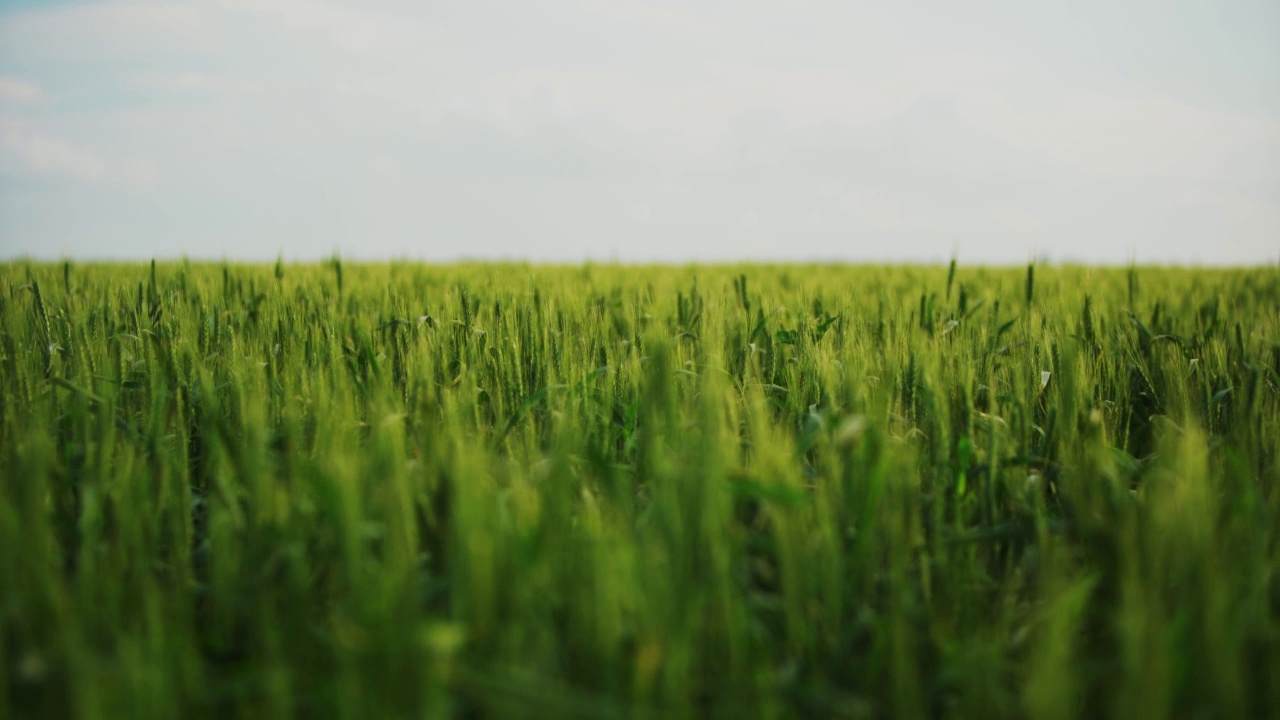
x,y
348,490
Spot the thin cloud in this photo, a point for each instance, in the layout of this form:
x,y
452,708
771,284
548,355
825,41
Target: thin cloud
x,y
197,82
881,213
19,92
48,155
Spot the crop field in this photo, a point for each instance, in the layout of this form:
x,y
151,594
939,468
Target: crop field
x,y
513,491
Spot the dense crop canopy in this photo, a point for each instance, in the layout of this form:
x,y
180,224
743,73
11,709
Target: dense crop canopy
x,y
511,491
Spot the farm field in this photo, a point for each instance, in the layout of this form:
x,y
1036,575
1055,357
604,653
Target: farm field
x,y
517,491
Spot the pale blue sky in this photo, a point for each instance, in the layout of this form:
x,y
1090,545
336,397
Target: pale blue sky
x,y
641,130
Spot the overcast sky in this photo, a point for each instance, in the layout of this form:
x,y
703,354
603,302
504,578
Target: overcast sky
x,y
642,130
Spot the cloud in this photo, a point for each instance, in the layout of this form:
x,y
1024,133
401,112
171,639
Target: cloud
x,y
879,212
19,92
1130,135
652,16
49,155
45,154
206,83
671,187
348,29
1016,220
385,168
104,30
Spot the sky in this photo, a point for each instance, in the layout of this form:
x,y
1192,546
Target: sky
x,y
896,130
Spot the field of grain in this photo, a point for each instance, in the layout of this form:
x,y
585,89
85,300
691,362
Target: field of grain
x,y
511,491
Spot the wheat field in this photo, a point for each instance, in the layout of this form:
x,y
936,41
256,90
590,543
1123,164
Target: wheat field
x,y
601,491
